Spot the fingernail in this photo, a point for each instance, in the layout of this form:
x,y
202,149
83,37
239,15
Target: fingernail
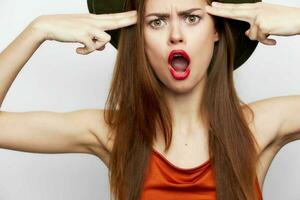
x,y
215,3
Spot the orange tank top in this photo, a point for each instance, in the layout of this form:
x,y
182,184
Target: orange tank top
x,y
165,181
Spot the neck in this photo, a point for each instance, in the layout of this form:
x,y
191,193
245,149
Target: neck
x,y
185,110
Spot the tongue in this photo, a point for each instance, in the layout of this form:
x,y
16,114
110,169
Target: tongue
x,y
179,64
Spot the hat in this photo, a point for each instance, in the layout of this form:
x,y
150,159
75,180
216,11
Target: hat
x,y
244,47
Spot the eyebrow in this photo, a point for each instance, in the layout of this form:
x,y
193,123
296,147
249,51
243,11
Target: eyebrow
x,y
180,13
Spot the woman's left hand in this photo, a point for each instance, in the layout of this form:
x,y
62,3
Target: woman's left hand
x,y
265,19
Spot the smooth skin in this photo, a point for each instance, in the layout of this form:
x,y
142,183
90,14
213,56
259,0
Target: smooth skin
x,y
263,22
277,118
54,132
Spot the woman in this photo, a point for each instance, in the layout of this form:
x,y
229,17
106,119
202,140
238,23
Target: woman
x,y
154,111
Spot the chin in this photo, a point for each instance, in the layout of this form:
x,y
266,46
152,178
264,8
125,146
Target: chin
x,y
185,86
180,87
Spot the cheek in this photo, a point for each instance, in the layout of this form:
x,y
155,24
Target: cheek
x,y
203,50
202,45
155,52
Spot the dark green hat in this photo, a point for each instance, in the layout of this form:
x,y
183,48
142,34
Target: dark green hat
x,y
244,46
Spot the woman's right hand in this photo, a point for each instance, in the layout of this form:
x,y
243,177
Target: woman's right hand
x,y
87,29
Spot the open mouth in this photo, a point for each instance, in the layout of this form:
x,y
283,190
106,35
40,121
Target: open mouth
x,y
179,60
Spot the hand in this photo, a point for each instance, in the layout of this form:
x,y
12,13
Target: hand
x,y
87,29
265,19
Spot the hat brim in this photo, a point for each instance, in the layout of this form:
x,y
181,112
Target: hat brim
x,y
244,46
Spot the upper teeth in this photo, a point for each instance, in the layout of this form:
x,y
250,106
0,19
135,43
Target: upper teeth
x,y
177,55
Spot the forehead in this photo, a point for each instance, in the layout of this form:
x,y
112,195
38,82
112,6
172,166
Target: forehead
x,y
168,5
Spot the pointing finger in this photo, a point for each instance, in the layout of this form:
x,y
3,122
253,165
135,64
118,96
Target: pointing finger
x,y
235,5
232,13
115,15
118,23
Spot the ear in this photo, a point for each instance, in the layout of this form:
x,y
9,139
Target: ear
x,y
216,36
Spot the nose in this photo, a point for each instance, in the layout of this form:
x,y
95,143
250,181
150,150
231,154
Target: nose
x,y
176,35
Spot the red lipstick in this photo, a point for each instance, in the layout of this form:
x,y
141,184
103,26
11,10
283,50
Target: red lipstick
x,y
179,75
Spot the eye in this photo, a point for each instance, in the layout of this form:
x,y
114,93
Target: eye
x,y
193,18
155,23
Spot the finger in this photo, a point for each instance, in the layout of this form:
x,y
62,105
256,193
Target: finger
x,y
263,38
234,5
100,38
268,41
253,33
271,42
118,23
238,14
89,46
260,35
101,47
247,32
115,15
100,35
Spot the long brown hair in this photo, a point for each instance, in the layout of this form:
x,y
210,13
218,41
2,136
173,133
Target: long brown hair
x,y
136,107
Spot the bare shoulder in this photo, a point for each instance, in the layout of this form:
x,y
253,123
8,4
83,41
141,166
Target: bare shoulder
x,y
276,120
263,124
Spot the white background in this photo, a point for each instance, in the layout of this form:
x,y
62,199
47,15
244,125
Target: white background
x,y
58,79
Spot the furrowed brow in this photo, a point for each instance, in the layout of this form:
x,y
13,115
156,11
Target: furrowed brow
x,y
180,13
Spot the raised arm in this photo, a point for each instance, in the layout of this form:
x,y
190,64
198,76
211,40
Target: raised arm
x,y
80,131
40,131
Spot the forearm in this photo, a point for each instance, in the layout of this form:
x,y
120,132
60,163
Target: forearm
x,y
298,26
15,56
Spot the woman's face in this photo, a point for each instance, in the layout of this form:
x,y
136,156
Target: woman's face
x,y
192,32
